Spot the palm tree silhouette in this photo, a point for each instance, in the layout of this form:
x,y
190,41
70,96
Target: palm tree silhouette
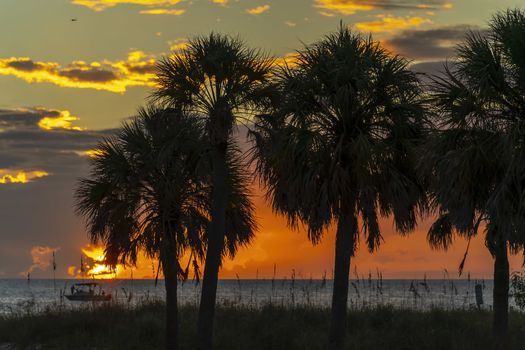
x,y
149,190
474,157
218,78
339,147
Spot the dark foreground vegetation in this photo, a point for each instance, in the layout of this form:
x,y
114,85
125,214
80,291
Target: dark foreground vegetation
x,y
270,327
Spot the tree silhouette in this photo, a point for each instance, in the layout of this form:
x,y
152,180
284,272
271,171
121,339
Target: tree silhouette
x,y
219,79
339,147
474,156
149,190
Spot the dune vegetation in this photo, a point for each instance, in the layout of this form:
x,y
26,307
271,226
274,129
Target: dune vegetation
x,y
267,328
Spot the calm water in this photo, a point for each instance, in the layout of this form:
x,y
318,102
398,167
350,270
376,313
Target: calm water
x,y
17,295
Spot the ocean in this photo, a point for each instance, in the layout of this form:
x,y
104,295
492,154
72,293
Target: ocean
x,y
19,295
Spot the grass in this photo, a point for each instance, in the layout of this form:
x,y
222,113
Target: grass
x,y
268,328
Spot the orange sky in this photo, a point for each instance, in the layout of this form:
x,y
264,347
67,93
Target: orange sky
x,y
398,257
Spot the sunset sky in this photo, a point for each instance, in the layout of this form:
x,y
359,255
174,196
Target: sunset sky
x,y
64,84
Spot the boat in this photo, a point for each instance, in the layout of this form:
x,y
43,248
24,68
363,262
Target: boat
x,y
88,292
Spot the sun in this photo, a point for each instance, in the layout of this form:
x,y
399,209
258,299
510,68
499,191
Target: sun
x,y
94,265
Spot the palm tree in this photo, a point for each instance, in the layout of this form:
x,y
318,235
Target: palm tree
x,y
474,156
149,192
218,78
339,148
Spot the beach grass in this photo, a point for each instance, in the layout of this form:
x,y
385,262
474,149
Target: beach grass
x,y
270,327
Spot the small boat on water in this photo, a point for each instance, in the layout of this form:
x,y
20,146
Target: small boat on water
x,y
90,291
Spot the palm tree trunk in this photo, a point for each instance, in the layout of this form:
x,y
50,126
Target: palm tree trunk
x,y
343,252
215,246
501,295
169,267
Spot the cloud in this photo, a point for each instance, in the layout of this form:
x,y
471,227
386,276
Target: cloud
x,y
343,7
431,44
178,44
42,257
44,118
390,24
258,10
114,76
432,67
290,59
91,153
349,7
41,142
58,120
220,2
174,12
290,24
73,271
101,5
428,70
20,176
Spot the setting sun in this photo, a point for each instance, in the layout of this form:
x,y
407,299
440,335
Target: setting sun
x,y
94,266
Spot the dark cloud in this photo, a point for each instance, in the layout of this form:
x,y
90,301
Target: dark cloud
x,y
404,4
25,145
348,7
432,67
149,68
26,65
95,75
114,76
431,44
10,119
428,70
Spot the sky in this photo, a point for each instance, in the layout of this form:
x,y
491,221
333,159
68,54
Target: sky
x,y
71,71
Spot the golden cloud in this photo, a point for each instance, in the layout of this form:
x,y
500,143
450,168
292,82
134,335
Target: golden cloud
x,y
100,5
178,45
8,176
349,7
258,10
345,7
114,76
390,24
91,153
174,12
73,271
289,60
220,2
63,120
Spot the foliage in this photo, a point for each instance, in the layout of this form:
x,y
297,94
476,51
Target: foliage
x,y
341,142
144,192
517,283
217,78
473,160
268,328
150,183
